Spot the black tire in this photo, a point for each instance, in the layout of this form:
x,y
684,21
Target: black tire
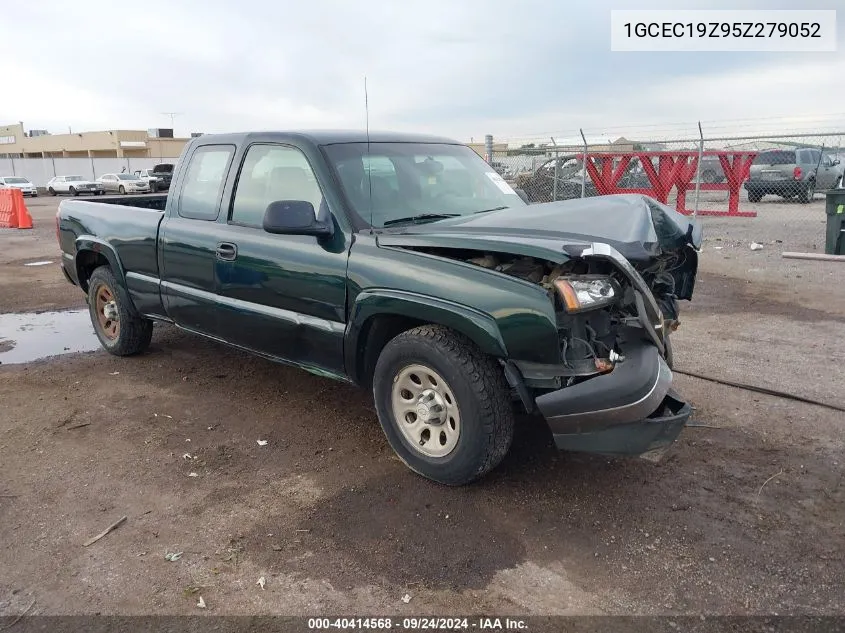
x,y
754,196
709,176
807,194
121,190
73,191
480,391
134,333
154,187
51,191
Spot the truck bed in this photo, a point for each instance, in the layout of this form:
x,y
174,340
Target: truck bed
x,y
121,231
155,201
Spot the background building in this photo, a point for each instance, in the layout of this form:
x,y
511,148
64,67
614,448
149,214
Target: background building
x,y
15,142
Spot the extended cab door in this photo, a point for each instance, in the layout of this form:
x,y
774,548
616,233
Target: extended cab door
x,y
189,239
281,295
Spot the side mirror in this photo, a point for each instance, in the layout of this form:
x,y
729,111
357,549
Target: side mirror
x,y
294,217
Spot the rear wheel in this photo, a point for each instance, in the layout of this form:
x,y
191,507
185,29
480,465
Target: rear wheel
x,y
443,405
754,196
51,191
120,331
808,192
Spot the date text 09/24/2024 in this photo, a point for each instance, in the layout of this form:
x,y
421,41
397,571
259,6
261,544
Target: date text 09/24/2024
x,y
417,624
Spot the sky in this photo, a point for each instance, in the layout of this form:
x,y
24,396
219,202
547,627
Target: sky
x,y
460,68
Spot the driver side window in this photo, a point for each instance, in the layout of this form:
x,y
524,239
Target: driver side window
x,y
271,173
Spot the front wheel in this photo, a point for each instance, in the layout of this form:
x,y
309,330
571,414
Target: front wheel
x,y
120,331
443,405
73,191
121,190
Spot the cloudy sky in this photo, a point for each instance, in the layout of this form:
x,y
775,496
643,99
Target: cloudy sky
x,y
461,68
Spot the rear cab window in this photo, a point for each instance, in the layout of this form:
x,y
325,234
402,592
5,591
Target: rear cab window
x,y
202,188
775,157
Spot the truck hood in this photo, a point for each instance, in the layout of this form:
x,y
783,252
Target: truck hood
x,y
637,226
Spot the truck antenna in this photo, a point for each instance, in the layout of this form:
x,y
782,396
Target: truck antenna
x,y
367,129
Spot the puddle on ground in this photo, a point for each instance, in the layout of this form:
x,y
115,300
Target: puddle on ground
x,y
30,336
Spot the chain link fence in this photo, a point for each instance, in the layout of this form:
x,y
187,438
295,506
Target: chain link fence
x,y
756,188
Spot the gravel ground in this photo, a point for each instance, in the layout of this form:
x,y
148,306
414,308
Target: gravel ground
x,y
743,515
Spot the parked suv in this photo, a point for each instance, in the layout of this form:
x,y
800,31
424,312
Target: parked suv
x,y
791,173
158,181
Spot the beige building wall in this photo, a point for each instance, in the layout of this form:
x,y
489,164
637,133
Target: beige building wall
x,y
112,143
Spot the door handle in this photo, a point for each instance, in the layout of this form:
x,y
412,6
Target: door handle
x,y
227,251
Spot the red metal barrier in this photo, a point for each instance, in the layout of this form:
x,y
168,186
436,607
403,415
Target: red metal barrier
x,y
673,169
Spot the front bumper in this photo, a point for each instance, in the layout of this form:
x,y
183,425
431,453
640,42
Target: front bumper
x,y
629,411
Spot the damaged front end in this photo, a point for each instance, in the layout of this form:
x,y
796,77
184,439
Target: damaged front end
x,y
616,302
611,391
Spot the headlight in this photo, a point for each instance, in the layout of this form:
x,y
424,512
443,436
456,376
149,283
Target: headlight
x,y
580,293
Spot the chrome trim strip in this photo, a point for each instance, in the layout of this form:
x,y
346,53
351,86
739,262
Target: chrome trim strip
x,y
631,412
297,318
141,277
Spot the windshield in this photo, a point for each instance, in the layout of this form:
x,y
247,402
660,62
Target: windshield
x,y
73,178
16,181
777,157
127,177
415,179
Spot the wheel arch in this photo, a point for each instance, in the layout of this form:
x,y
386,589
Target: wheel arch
x,y
380,315
91,253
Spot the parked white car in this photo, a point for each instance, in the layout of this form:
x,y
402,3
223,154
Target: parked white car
x,y
74,185
18,182
123,183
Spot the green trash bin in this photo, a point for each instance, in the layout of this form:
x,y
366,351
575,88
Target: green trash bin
x,y
834,243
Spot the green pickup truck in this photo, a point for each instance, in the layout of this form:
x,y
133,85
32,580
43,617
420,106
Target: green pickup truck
x,y
406,265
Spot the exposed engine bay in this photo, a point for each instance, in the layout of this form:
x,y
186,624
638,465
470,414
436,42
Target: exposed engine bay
x,y
592,340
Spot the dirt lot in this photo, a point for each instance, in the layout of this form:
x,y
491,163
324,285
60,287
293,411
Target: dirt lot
x,y
744,515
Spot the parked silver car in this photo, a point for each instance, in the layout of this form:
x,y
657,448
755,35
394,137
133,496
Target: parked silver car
x,y
791,173
124,183
74,185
